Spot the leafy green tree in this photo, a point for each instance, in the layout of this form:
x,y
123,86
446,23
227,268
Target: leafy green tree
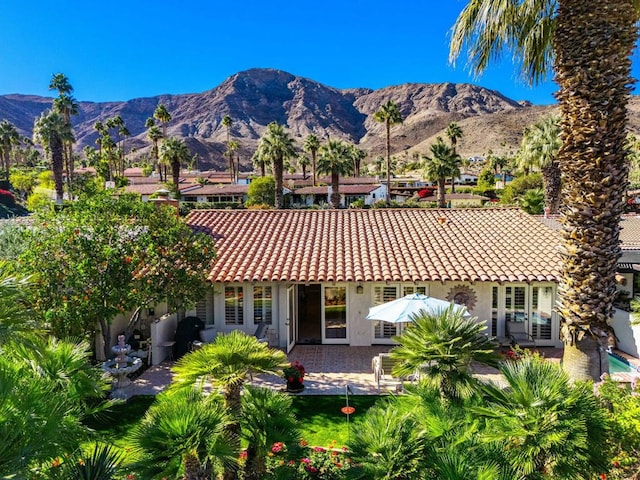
x,y
9,137
553,428
538,152
227,363
103,256
23,181
532,202
267,418
389,114
182,435
443,163
52,131
261,191
312,145
334,160
277,145
175,152
441,347
589,45
519,186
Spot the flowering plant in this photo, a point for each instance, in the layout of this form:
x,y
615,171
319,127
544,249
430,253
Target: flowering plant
x,y
295,371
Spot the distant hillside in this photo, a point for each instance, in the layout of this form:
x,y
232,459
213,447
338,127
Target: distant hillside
x,y
256,97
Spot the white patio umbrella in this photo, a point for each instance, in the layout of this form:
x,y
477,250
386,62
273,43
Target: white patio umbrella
x,y
402,309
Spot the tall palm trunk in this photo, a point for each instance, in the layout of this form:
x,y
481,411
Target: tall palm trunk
x,y
592,47
335,189
256,465
277,173
388,125
175,172
313,165
442,203
552,186
6,150
57,166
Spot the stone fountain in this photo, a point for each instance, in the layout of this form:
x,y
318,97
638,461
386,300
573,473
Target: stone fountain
x,y
119,367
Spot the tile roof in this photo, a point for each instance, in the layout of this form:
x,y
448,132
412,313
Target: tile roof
x,y
216,190
344,189
629,234
399,245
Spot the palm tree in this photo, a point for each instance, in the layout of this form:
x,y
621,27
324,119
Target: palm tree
x,y
539,151
227,363
334,160
441,347
154,134
174,152
267,417
67,106
277,145
590,45
532,201
453,133
390,115
303,163
183,432
312,145
356,156
442,164
553,428
227,122
51,130
163,116
9,137
261,160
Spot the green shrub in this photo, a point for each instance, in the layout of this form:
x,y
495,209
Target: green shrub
x,y
515,189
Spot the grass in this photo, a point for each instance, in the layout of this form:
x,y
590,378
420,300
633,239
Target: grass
x,y
321,421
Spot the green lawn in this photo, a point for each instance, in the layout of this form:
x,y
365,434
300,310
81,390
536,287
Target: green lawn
x,y
321,421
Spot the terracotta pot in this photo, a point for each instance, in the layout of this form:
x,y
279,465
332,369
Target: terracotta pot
x,y
295,386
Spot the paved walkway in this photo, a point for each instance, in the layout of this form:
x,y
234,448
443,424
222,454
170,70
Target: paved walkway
x,y
329,369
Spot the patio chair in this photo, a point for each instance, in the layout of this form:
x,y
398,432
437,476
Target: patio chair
x,y
517,332
382,365
261,332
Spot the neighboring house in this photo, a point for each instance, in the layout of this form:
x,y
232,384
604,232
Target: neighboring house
x,y
369,194
314,274
459,199
215,193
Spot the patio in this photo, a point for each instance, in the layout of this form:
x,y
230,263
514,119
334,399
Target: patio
x,y
329,369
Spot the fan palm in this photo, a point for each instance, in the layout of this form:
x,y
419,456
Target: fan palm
x,y
443,163
174,152
441,347
67,106
590,45
453,133
227,122
260,159
52,131
312,145
390,115
277,145
102,462
183,432
539,151
9,137
334,160
546,426
227,363
163,116
267,418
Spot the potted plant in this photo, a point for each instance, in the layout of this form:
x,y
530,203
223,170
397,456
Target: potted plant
x,y
294,375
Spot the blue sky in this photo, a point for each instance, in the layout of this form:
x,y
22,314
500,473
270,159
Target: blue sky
x,y
123,50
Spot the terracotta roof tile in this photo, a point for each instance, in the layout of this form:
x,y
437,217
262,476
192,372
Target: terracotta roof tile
x,y
378,245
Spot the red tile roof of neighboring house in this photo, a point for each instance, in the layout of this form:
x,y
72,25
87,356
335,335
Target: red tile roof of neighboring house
x,y
216,190
399,245
344,189
454,196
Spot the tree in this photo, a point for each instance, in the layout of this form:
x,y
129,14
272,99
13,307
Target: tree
x,y
590,45
539,151
303,163
532,202
261,160
554,428
154,134
163,116
277,145
227,122
356,155
442,164
312,145
183,434
390,115
261,191
175,152
441,347
9,137
453,133
103,256
227,363
67,106
334,160
52,131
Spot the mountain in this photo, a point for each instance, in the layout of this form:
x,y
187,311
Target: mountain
x,y
254,98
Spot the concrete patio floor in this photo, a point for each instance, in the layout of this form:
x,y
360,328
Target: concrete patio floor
x,y
330,368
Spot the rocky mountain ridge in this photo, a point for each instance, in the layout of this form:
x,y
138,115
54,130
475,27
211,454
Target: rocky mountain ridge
x,y
254,98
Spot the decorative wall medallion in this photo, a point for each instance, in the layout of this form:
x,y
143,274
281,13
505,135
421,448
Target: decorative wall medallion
x,y
463,295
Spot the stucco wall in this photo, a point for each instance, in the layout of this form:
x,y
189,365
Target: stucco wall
x,y
627,335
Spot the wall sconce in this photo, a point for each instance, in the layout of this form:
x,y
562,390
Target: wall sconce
x,y
359,289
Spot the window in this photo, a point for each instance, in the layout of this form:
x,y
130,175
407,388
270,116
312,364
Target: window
x,y
262,304
409,290
335,313
382,295
233,305
494,311
541,308
515,304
